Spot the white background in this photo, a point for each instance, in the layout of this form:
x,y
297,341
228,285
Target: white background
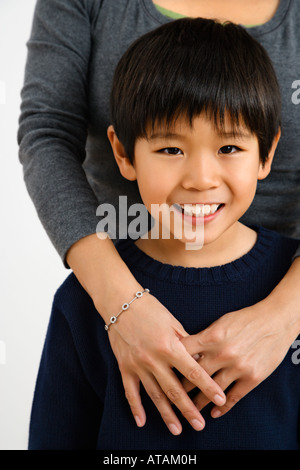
x,y
30,268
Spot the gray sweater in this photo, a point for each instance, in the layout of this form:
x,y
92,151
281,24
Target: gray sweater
x,y
68,164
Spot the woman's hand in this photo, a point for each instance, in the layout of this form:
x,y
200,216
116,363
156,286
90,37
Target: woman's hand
x,y
145,339
241,349
149,356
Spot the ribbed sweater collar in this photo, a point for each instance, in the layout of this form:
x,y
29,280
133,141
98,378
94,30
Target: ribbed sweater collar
x,y
136,259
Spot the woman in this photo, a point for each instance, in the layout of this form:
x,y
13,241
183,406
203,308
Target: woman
x,y
69,171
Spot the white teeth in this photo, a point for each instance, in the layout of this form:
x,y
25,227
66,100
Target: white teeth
x,y
188,209
199,209
214,207
206,209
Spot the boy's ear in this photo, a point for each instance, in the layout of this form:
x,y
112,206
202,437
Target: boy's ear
x,y
264,169
125,166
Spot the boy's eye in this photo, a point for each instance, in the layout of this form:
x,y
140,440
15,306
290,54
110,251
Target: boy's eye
x,y
226,149
171,151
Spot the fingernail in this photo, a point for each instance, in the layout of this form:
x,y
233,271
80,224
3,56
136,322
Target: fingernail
x,y
219,400
138,421
216,413
197,424
174,429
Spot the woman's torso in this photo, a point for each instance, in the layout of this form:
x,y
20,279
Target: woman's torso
x,y
116,25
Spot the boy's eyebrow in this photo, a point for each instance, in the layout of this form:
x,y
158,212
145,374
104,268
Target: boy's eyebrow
x,y
235,134
164,135
238,134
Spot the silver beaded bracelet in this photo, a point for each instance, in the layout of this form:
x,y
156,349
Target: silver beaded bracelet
x,y
125,306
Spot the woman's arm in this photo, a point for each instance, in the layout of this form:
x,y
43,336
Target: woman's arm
x,y
54,119
145,341
246,346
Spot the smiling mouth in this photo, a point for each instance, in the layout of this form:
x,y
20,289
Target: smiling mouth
x,y
198,210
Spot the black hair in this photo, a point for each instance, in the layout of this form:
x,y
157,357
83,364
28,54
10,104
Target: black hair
x,y
189,66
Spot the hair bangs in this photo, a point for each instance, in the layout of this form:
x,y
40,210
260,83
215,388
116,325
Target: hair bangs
x,y
193,66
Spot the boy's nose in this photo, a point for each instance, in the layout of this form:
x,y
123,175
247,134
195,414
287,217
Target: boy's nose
x,y
201,173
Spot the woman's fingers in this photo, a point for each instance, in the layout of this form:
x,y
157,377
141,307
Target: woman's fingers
x,y
241,388
164,387
238,379
195,374
162,404
172,393
163,401
155,357
131,385
224,380
193,345
207,365
238,391
163,398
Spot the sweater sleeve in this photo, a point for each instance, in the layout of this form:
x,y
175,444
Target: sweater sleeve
x,y
53,121
66,411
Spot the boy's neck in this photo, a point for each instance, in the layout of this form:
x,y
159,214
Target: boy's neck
x,y
235,243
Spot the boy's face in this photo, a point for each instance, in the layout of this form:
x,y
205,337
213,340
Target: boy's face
x,y
184,166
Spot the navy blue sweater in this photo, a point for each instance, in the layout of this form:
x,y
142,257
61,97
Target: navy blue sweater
x,y
79,401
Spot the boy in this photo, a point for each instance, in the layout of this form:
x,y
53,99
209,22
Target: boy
x,y
195,121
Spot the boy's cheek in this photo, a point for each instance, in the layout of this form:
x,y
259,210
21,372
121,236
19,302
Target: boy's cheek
x,y
243,179
148,194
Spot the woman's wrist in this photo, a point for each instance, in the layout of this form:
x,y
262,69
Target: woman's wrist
x,y
102,273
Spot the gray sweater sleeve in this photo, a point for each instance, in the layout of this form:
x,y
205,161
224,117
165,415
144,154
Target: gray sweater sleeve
x,y
53,121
